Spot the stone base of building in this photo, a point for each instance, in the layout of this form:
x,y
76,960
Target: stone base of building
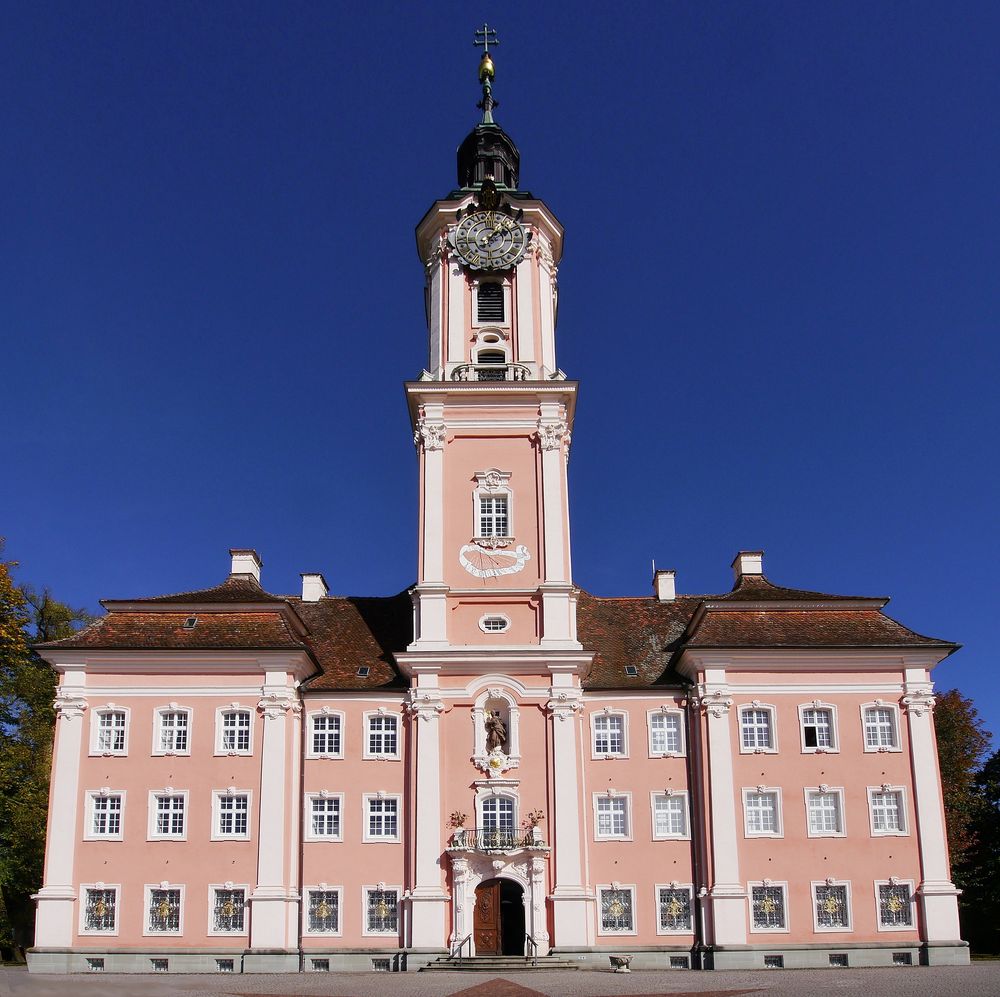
x,y
947,953
151,960
363,960
817,956
271,961
643,956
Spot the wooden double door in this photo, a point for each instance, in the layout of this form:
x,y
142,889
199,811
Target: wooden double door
x,y
498,922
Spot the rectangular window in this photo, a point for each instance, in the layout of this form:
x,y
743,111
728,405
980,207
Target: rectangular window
x,y
493,521
383,818
324,816
111,727
617,910
490,303
674,908
831,906
895,908
235,733
665,733
382,912
767,904
106,815
609,734
825,810
174,728
164,911
612,817
233,815
817,728
326,731
880,728
169,815
323,912
887,811
383,735
755,729
761,812
100,911
670,816
228,911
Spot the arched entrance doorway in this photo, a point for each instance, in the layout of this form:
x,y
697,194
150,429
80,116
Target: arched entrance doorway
x,y
498,922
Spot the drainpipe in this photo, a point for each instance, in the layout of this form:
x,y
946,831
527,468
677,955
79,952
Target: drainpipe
x,y
697,831
302,831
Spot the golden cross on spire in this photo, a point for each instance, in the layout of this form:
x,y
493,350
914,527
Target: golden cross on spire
x,y
485,36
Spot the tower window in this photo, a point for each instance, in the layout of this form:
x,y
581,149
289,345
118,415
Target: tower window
x,y
493,516
490,303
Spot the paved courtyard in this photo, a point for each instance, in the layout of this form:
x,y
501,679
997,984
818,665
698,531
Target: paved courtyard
x,y
979,980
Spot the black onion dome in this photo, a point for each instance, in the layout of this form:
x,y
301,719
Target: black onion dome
x,y
488,151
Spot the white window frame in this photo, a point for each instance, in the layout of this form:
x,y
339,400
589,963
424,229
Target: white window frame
x,y
105,792
212,887
365,813
84,930
324,888
505,288
834,747
619,888
666,711
880,704
218,795
613,795
904,816
146,896
779,816
781,885
838,792
672,794
492,483
325,712
909,884
656,907
220,730
324,794
151,833
772,712
158,713
95,730
821,929
385,888
366,752
487,793
494,616
607,711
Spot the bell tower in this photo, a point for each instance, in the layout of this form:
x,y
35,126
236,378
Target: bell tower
x,y
492,412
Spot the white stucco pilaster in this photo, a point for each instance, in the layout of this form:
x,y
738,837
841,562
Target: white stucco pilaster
x,y
938,894
525,312
431,629
727,895
270,916
56,900
457,331
427,898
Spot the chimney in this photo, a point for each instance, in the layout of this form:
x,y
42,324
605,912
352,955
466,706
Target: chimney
x,y
246,562
664,585
748,562
314,586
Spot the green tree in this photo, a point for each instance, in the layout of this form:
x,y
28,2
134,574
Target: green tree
x,y
27,685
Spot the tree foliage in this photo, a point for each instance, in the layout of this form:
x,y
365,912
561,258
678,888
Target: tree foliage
x,y
27,685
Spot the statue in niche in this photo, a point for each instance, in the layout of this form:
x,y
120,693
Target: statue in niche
x,y
496,733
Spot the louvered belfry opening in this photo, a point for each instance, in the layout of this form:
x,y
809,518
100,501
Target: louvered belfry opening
x,y
490,307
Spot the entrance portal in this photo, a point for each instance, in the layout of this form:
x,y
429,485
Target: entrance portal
x,y
499,918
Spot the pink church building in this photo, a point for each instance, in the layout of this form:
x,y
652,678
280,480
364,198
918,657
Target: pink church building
x,y
494,763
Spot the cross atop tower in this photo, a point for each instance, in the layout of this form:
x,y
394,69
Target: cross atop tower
x,y
484,36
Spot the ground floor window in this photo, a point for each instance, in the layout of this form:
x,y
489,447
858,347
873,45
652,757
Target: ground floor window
x,y
617,906
832,906
674,908
767,903
895,909
100,912
323,912
163,912
228,908
382,911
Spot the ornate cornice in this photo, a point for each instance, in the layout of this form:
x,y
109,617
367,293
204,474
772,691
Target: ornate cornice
x,y
715,702
564,705
552,435
275,703
425,705
431,435
69,704
919,702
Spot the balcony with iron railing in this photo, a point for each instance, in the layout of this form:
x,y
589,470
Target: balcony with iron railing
x,y
495,839
491,372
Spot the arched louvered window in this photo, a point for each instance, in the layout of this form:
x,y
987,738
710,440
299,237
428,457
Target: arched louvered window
x,y
490,304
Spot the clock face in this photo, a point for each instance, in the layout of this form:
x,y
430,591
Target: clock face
x,y
487,240
482,562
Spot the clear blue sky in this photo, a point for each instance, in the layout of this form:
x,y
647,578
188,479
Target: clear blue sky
x,y
780,289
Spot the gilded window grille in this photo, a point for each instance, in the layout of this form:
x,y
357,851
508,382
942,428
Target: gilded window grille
x,y
616,910
383,911
165,910
229,910
894,910
324,911
675,909
831,907
768,904
101,910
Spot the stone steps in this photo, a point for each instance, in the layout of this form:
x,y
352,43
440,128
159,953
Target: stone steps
x,y
497,964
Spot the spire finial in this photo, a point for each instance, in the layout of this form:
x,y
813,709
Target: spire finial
x,y
484,37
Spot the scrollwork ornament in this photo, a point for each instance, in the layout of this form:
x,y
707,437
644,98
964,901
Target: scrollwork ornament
x,y
68,704
425,706
430,435
552,435
919,703
275,703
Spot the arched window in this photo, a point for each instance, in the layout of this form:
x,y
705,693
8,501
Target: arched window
x,y
489,306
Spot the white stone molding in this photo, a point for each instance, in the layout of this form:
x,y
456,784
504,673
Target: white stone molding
x,y
918,702
276,702
69,704
715,702
424,705
563,705
552,435
430,435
